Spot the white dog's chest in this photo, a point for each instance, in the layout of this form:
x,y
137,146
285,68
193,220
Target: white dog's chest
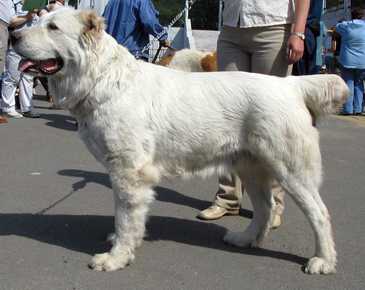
x,y
95,141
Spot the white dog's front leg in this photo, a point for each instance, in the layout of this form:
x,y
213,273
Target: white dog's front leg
x,y
130,217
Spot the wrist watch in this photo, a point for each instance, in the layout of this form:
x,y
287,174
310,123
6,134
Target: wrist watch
x,y
301,35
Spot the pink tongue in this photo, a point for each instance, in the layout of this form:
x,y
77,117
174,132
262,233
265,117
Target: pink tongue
x,y
49,65
25,64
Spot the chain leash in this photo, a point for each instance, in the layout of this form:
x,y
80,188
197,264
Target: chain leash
x,y
172,22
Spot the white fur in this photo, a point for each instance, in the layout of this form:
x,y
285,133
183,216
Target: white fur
x,y
188,60
144,121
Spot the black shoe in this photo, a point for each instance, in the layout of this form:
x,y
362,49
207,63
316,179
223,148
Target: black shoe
x,y
30,114
359,114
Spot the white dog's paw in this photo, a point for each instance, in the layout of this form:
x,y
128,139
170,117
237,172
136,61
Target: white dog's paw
x,y
239,239
110,262
318,265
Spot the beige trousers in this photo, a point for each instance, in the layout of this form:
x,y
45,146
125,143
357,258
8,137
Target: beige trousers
x,y
259,50
3,45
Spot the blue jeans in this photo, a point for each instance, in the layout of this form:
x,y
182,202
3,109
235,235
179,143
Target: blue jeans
x,y
354,80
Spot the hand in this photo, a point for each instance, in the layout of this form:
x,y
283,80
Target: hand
x,y
29,15
164,43
295,47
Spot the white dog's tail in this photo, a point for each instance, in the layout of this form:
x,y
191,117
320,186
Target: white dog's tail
x,y
323,94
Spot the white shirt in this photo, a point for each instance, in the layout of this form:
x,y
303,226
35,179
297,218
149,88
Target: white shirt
x,y
256,13
6,10
17,10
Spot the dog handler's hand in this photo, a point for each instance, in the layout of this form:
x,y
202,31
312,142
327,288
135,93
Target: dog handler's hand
x,y
295,48
164,43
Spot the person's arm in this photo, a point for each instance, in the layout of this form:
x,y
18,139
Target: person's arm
x,y
149,20
341,27
335,38
17,21
295,43
42,12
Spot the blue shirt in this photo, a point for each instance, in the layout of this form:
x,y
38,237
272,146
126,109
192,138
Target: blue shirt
x,y
131,22
352,51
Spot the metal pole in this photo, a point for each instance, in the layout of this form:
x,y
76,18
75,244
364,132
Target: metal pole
x,y
347,4
186,10
185,22
220,11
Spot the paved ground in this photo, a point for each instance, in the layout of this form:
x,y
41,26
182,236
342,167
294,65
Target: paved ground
x,y
56,206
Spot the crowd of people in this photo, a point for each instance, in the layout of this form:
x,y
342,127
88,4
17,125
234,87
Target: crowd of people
x,y
351,35
13,81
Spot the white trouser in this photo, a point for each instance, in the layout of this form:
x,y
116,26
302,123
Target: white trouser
x,y
12,78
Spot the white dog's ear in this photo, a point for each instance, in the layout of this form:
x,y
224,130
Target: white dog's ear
x,y
93,24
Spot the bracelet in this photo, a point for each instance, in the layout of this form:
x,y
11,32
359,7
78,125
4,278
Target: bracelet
x,y
301,35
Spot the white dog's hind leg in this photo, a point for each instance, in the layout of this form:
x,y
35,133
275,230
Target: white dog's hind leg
x,y
131,207
309,200
262,202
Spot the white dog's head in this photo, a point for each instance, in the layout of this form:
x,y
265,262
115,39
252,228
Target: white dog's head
x,y
55,43
73,50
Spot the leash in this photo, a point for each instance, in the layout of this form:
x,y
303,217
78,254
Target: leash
x,y
157,53
172,22
159,49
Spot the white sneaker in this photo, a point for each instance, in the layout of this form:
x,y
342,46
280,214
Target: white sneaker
x,y
13,114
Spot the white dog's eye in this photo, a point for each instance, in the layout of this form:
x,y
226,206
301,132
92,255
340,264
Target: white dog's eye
x,y
52,26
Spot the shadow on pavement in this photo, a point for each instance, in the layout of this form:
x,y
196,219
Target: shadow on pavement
x,y
162,194
60,121
86,233
87,177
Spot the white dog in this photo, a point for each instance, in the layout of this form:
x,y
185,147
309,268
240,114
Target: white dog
x,y
190,60
144,121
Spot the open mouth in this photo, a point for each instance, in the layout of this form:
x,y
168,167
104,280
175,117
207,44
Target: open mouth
x,y
47,66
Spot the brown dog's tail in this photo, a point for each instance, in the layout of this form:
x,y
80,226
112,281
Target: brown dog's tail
x,y
323,94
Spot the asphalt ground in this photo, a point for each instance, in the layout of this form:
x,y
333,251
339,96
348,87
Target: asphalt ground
x,y
56,209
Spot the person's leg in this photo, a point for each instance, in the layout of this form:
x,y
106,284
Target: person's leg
x,y
9,84
227,200
270,57
278,194
3,48
25,92
230,57
26,96
358,91
258,187
270,52
348,77
44,82
3,45
363,84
